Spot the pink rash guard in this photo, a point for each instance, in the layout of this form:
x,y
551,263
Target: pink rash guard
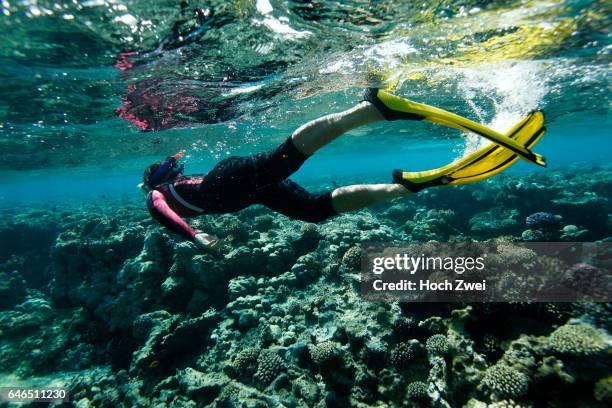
x,y
164,207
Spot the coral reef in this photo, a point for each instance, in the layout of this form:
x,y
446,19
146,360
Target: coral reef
x,y
603,390
543,220
437,344
269,366
12,289
416,390
579,339
324,352
401,356
110,305
503,381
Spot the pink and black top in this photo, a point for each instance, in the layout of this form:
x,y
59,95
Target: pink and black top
x,y
236,183
167,205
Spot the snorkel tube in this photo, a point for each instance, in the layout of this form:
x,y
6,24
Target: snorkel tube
x,y
168,170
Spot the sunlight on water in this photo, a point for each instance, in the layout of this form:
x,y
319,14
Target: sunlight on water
x,y
514,89
133,286
101,82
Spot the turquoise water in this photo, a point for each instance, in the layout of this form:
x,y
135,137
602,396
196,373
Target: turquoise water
x,y
354,159
248,73
97,297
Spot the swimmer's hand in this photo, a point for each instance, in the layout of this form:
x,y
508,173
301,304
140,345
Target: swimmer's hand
x,y
208,241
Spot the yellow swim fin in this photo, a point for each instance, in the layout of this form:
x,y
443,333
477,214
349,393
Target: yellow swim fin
x,y
483,163
393,107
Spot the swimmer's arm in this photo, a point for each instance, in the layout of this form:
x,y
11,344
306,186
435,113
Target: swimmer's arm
x,y
159,209
208,241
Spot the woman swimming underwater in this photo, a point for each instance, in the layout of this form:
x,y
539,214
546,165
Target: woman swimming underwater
x,y
263,178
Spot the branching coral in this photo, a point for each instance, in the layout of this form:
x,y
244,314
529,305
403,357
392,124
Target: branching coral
x,y
324,352
245,362
437,344
501,380
401,356
577,340
416,390
352,258
269,366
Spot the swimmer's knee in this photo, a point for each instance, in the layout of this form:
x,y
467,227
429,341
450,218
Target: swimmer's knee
x,y
319,208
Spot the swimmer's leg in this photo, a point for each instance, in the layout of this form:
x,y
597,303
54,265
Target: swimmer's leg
x,y
355,197
315,134
292,200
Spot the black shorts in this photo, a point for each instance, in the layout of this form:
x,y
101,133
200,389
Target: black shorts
x,y
238,182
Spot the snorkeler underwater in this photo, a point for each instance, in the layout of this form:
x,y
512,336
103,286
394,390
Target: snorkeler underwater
x,y
304,204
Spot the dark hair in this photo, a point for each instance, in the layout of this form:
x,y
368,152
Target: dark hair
x,y
148,172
